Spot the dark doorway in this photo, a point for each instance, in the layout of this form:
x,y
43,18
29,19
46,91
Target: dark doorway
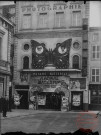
x,y
77,100
23,100
53,101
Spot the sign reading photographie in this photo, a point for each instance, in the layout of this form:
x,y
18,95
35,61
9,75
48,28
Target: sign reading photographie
x,y
49,7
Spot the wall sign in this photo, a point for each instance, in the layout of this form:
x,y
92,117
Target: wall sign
x,y
49,73
77,83
41,99
50,7
76,100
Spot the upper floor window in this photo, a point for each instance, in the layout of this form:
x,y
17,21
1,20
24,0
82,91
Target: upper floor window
x,y
75,62
12,10
0,47
1,11
95,37
43,20
26,24
95,51
13,19
95,75
26,62
59,19
76,18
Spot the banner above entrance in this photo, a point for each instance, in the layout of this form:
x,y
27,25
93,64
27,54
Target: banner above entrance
x,y
50,73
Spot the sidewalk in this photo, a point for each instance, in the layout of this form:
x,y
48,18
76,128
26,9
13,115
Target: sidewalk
x,y
24,112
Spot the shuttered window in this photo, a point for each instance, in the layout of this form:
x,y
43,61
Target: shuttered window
x,y
26,21
76,18
59,19
43,20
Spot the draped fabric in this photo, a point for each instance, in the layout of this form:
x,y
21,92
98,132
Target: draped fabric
x,y
59,57
39,55
61,54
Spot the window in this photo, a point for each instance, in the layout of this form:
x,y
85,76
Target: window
x,y
12,19
12,10
26,47
95,37
95,75
26,21
76,18
75,62
43,20
59,19
95,51
26,62
1,11
0,47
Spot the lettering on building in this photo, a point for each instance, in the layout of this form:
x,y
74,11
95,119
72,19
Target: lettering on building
x,y
43,8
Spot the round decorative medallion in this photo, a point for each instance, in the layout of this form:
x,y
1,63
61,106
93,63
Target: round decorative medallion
x,y
62,49
76,45
39,49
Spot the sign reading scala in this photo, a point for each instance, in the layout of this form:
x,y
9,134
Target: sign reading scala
x,y
48,7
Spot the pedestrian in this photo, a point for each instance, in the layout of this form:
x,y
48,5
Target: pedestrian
x,y
0,104
4,106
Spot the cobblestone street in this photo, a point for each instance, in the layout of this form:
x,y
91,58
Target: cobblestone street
x,y
43,122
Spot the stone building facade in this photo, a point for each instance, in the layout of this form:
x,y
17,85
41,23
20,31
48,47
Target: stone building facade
x,y
6,28
51,53
95,67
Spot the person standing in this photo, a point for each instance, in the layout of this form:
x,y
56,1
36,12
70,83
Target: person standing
x,y
1,104
4,106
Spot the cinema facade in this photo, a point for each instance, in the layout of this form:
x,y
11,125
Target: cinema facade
x,y
50,56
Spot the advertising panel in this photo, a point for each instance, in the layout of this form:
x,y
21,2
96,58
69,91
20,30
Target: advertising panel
x,y
41,99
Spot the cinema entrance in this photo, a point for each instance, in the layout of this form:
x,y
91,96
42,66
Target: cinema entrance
x,y
49,101
48,90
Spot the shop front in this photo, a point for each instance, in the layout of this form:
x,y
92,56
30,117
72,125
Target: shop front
x,y
95,96
21,97
48,88
79,94
57,91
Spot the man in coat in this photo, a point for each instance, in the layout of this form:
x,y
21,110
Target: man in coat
x,y
0,104
4,106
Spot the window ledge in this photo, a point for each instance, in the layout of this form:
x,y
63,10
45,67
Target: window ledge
x,y
93,59
59,27
46,28
75,26
26,29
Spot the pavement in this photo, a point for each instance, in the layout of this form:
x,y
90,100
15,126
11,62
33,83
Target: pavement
x,y
25,112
